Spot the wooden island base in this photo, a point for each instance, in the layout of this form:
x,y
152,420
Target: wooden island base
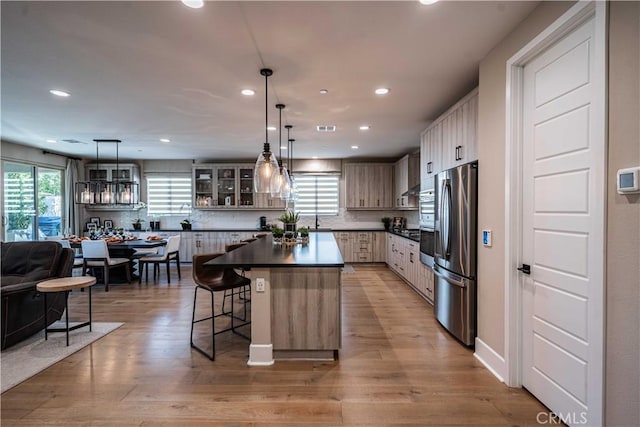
x,y
298,314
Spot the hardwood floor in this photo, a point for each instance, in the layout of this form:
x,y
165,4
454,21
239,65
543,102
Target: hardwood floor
x,y
397,366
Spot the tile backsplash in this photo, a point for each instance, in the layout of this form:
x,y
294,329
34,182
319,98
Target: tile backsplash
x,y
237,219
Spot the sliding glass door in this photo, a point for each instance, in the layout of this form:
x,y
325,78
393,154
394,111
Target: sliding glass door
x,y
32,202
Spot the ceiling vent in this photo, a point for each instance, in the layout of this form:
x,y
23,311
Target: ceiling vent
x,y
73,141
326,128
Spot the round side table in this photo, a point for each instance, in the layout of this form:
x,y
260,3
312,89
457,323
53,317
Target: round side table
x,y
66,285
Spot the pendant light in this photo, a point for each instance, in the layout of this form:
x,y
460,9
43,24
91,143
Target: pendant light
x,y
293,192
285,193
280,179
267,163
101,191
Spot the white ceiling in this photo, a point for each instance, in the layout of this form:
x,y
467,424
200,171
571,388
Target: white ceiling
x,y
144,70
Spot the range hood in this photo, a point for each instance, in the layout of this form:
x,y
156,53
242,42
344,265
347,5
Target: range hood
x,y
413,191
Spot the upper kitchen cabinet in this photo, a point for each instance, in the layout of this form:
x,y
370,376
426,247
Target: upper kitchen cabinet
x,y
228,186
407,181
369,186
451,140
430,155
459,132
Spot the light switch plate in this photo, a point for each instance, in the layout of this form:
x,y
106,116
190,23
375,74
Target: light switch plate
x,y
486,238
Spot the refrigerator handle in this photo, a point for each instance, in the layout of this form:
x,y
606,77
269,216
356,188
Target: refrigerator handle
x,y
445,207
449,279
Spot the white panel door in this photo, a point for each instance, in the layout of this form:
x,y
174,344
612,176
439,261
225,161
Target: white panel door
x,y
563,223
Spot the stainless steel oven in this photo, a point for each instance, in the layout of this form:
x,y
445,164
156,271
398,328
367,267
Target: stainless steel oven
x,y
427,227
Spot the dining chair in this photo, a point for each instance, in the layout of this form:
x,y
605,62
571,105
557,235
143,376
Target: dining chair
x,y
216,279
139,252
96,255
168,253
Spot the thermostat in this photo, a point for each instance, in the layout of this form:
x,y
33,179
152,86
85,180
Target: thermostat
x,y
628,181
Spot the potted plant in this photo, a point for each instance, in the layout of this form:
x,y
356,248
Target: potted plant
x,y
278,233
289,238
290,219
186,224
386,221
304,235
137,223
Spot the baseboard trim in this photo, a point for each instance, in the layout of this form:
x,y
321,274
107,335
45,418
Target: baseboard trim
x,y
490,359
260,355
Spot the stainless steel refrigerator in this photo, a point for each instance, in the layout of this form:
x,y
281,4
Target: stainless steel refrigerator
x,y
455,251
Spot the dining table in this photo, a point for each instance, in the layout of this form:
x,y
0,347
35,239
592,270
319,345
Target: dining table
x,y
124,249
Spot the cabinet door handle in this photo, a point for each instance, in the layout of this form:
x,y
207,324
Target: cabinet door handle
x,y
430,167
458,156
411,257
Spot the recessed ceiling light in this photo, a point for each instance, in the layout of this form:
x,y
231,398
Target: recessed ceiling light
x,y
52,141
354,147
165,140
194,4
364,127
427,2
324,91
382,91
272,128
314,157
58,92
248,92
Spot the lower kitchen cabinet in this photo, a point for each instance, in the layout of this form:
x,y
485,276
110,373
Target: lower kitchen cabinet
x,y
205,242
403,257
362,246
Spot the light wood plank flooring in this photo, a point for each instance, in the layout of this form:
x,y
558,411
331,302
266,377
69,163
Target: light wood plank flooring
x,y
397,366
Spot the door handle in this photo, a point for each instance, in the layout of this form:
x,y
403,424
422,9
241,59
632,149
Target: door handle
x,y
526,268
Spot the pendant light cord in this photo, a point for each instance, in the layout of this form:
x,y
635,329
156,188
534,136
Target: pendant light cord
x,y
280,107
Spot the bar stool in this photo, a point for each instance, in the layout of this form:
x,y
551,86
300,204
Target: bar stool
x,y
243,293
212,280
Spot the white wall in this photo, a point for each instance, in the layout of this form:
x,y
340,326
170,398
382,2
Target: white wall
x,y
491,175
622,370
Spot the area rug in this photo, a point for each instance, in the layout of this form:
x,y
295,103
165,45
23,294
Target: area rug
x,y
26,359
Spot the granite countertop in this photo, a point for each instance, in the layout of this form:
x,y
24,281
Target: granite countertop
x,y
321,251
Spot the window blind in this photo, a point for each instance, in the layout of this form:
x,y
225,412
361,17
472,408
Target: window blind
x,y
168,194
317,194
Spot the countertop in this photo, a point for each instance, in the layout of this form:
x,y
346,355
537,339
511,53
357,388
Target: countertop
x,y
253,230
321,251
407,236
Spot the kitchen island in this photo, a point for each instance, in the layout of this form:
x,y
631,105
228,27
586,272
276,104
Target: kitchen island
x,y
297,313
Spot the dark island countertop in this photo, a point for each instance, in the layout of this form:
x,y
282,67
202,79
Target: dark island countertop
x,y
321,251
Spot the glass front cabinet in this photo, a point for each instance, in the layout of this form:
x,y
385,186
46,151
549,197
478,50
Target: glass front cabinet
x,y
228,186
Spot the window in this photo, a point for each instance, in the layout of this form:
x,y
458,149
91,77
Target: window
x,y
168,194
32,201
317,194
